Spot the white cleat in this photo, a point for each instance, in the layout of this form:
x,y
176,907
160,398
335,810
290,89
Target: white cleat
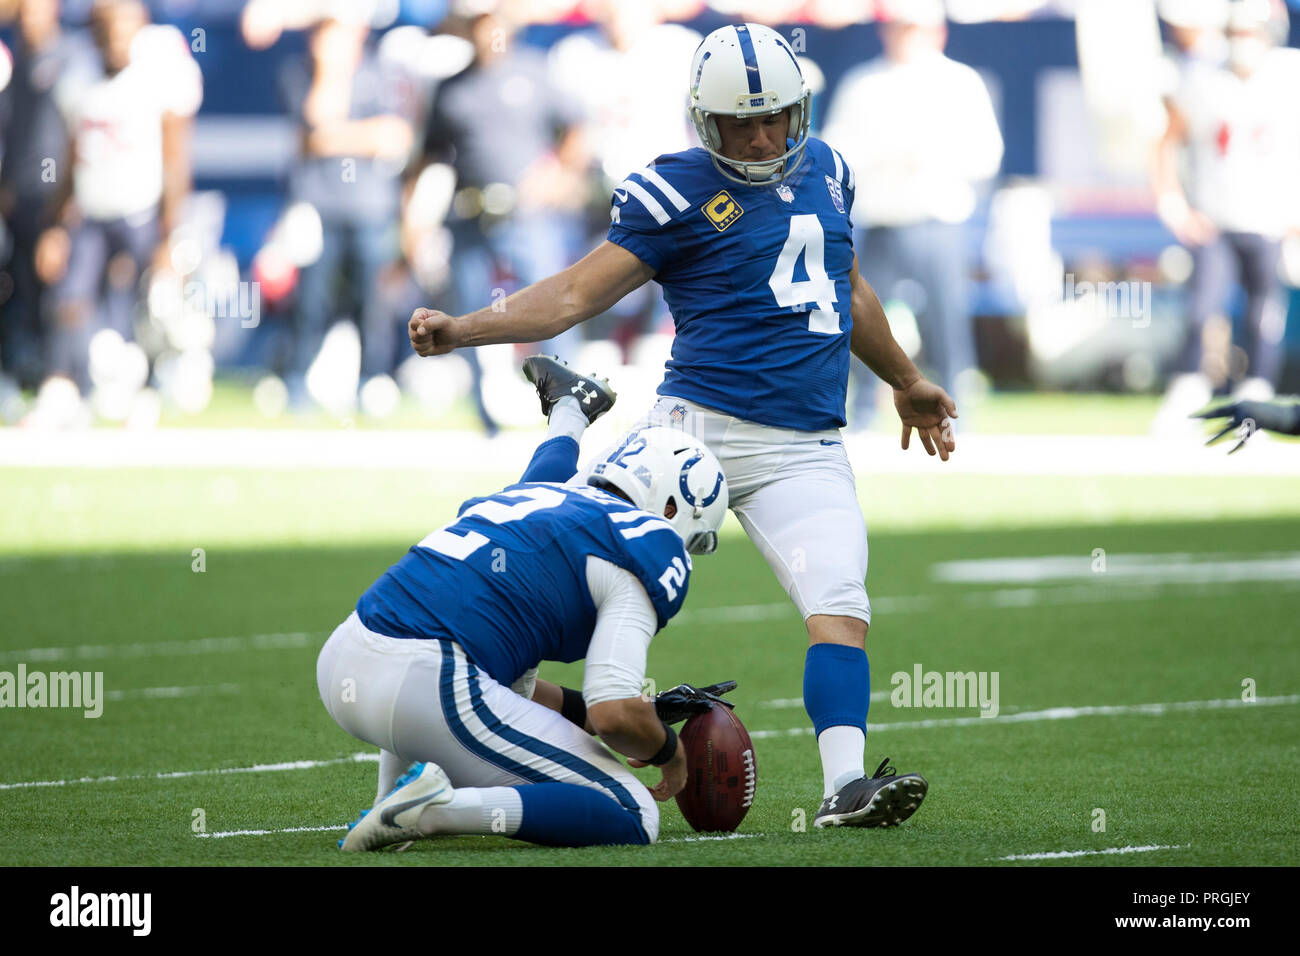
x,y
396,818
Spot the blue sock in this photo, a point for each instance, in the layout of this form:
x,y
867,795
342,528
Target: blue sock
x,y
836,686
556,459
567,814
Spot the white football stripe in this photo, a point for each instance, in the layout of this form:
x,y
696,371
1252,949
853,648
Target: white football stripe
x,y
652,204
839,166
676,198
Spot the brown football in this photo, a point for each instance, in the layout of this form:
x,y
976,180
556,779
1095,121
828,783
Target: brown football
x,y
721,773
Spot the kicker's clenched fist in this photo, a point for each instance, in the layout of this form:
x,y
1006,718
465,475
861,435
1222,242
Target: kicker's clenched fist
x,y
433,332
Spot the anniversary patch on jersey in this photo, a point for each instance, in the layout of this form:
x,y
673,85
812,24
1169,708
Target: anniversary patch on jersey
x,y
837,194
722,210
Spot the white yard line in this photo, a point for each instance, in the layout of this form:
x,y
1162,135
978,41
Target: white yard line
x,y
1097,591
1054,713
202,645
229,833
1065,854
782,703
342,826
177,774
170,693
1174,568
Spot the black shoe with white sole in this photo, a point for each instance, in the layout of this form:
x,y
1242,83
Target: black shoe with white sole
x,y
882,800
554,380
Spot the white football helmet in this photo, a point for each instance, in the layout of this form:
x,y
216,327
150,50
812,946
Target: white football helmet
x,y
749,70
655,465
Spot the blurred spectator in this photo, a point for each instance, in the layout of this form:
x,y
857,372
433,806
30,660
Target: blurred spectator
x,y
1196,30
35,140
1237,127
919,130
123,184
629,79
521,172
355,143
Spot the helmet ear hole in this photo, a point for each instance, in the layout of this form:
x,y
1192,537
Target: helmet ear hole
x,y
670,509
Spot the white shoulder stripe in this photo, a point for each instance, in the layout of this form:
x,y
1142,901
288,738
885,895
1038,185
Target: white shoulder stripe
x,y
651,524
841,167
674,197
652,204
627,517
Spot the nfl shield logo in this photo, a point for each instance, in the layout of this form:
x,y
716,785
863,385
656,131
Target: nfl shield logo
x,y
785,192
837,194
677,415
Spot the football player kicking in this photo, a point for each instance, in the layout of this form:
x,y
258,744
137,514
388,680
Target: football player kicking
x,y
751,240
438,663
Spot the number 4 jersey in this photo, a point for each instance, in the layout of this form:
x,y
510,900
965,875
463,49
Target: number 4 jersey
x,y
757,279
508,579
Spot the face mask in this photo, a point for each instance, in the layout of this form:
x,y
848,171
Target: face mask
x,y
1246,53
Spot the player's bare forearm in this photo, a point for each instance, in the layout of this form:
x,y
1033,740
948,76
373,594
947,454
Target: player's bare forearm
x,y
540,311
873,342
633,728
629,726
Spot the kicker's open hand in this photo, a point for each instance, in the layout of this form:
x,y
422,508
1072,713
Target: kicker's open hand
x,y
927,408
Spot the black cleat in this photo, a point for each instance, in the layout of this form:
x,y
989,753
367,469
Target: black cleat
x,y
554,380
884,800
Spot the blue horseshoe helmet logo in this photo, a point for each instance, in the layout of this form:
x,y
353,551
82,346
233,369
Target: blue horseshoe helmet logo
x,y
686,492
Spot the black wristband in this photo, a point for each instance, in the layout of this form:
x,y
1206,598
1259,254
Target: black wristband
x,y
667,751
572,707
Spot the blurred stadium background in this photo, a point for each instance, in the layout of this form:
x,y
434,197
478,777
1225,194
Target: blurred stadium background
x,y
199,290
219,215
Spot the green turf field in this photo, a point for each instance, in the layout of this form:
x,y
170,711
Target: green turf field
x,y
211,688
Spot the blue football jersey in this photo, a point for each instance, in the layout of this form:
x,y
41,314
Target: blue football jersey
x,y
757,279
508,579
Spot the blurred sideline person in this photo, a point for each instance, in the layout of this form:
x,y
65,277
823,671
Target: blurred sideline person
x,y
33,133
636,110
438,663
920,131
1238,129
750,238
520,165
355,143
123,184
